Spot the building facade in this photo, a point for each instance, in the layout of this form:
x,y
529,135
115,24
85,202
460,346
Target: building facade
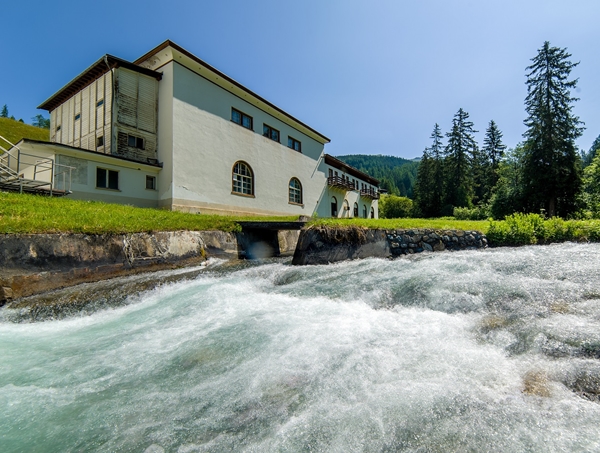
x,y
171,131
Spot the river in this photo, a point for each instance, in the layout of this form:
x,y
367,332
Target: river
x,y
493,350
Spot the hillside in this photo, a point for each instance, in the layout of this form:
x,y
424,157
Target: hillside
x,y
14,131
396,175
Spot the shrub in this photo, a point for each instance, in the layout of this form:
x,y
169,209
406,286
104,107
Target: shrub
x,y
523,229
393,207
517,229
476,213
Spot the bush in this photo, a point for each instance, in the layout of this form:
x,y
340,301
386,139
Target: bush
x,y
516,229
524,229
393,207
476,213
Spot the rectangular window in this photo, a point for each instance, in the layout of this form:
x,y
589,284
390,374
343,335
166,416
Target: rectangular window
x,y
107,179
135,142
150,182
100,102
241,118
330,173
99,141
77,116
271,133
294,144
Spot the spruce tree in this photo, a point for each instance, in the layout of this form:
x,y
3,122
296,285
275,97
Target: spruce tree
x,y
4,112
493,150
587,158
551,173
437,152
423,186
461,150
429,184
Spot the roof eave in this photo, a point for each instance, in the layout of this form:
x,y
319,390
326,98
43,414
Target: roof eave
x,y
91,74
169,43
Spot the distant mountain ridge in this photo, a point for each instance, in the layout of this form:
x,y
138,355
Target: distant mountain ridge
x,y
395,174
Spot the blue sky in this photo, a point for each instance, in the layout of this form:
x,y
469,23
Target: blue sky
x,y
374,76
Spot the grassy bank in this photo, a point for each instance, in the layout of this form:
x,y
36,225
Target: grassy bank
x,y
38,214
23,213
444,223
14,131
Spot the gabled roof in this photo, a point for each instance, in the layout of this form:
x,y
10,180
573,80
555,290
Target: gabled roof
x,y
94,72
214,75
336,163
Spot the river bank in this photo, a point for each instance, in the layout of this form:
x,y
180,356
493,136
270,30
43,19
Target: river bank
x,y
38,263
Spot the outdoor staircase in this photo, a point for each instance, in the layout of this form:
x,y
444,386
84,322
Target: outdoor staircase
x,y
41,171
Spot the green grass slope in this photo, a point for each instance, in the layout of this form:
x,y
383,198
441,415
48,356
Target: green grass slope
x,y
14,131
25,213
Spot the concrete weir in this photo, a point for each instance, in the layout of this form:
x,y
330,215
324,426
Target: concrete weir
x,y
36,263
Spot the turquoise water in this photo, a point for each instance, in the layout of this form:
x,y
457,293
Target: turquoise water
x,y
492,350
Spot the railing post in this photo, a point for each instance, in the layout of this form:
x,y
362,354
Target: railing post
x,y
51,176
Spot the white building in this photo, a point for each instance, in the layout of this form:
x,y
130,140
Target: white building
x,y
171,131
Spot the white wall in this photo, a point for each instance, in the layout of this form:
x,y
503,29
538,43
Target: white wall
x,y
352,196
132,175
206,145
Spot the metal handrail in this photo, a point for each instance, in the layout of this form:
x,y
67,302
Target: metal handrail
x,y
40,165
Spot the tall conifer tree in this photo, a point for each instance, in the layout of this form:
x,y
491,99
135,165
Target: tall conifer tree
x,y
493,150
460,152
429,185
552,174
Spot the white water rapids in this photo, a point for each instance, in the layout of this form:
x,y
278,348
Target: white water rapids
x,y
494,350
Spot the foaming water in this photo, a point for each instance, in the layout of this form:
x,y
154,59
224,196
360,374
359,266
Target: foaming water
x,y
493,350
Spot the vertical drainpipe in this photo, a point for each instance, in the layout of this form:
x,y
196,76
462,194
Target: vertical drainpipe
x,y
113,122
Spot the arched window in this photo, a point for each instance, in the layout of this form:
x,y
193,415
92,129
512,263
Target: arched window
x,y
346,209
295,191
243,179
372,213
365,211
333,207
355,209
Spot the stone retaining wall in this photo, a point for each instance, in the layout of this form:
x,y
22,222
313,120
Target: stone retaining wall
x,y
403,242
322,245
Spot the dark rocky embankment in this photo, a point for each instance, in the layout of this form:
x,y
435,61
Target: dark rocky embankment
x,y
32,264
322,245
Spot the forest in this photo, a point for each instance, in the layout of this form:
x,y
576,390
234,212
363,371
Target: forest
x,y
396,175
544,174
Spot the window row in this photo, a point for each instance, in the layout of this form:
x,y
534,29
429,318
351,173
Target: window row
x,y
268,131
243,183
346,209
109,179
